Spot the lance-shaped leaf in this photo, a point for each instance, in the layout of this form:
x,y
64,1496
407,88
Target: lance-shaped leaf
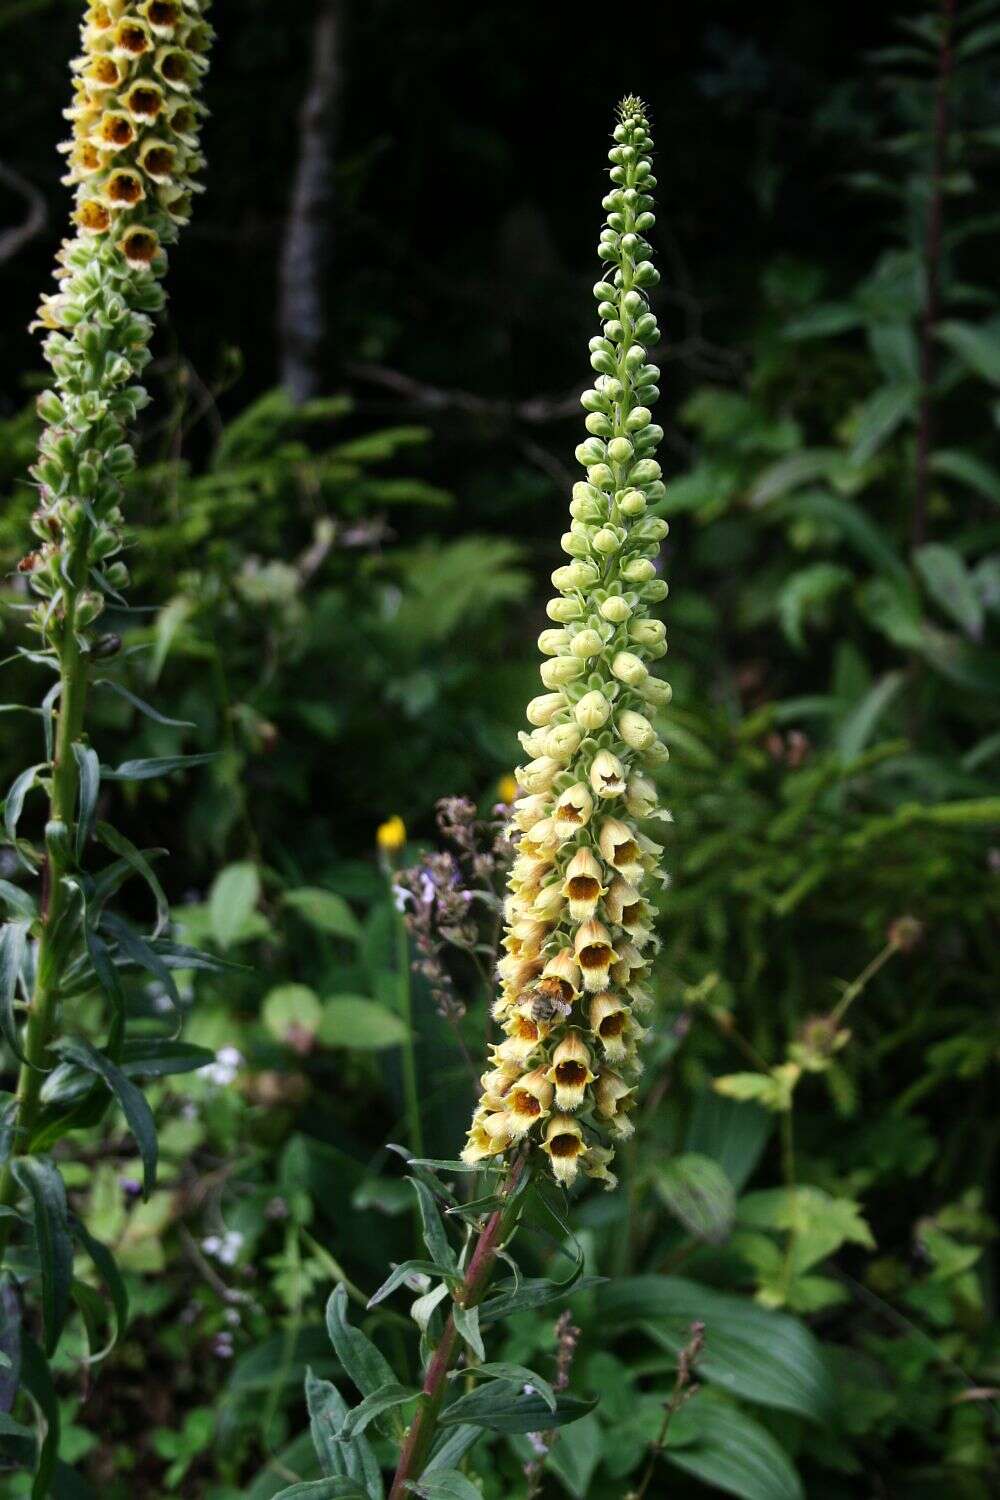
x,y
502,1406
132,1100
14,801
143,707
40,1179
386,1398
107,1269
89,767
352,1460
156,765
13,941
366,1366
136,859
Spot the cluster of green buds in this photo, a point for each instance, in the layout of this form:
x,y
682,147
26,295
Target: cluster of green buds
x,y
579,936
132,158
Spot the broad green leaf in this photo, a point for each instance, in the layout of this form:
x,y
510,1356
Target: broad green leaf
x,y
760,1356
771,1090
530,1293
697,1191
233,897
733,1134
515,1374
823,321
809,590
353,1021
352,1460
797,469
369,1370
13,944
40,1179
854,524
131,1099
445,1484
950,585
386,1398
324,910
450,1447
977,345
501,1406
860,722
733,1454
575,1461
819,1222
292,1013
954,463
879,417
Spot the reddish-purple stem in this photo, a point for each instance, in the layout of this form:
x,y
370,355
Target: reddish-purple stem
x,y
932,274
477,1278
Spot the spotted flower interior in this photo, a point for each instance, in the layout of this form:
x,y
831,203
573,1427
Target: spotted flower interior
x,y
578,922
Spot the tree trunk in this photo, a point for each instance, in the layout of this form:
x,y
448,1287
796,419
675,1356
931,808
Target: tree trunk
x,y
306,251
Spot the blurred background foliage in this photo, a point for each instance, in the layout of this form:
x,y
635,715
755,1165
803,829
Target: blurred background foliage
x,y
341,560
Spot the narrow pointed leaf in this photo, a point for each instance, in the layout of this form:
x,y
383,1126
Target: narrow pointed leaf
x,y
120,845
142,706
90,784
157,765
37,1380
132,1100
40,1179
384,1399
13,941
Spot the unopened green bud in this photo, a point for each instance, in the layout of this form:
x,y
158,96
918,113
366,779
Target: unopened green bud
x,y
619,450
655,591
89,607
575,544
638,570
645,471
607,541
602,476
117,575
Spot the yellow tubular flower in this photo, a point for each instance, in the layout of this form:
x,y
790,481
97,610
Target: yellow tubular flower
x,y
126,149
578,936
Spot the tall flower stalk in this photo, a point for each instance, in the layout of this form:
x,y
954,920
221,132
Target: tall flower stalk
x,y
132,159
578,935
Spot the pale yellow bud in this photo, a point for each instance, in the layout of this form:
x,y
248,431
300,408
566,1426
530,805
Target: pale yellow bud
x,y
564,610
551,642
647,632
543,709
629,669
592,711
607,541
586,643
616,609
640,795
560,670
563,741
538,775
635,729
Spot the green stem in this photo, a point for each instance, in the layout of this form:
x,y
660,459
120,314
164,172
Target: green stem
x,y
62,811
411,1094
